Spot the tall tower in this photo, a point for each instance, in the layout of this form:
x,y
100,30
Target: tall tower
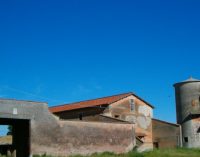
x,y
188,111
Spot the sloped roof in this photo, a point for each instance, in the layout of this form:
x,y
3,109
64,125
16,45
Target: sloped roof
x,y
169,123
189,80
94,102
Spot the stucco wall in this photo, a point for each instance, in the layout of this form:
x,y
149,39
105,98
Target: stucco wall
x,y
141,116
166,135
84,138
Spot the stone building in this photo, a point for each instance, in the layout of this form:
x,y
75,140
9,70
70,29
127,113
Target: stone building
x,y
118,123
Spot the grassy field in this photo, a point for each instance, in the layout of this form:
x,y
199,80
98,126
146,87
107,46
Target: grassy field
x,y
154,153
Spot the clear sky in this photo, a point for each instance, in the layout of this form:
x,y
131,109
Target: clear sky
x,y
62,51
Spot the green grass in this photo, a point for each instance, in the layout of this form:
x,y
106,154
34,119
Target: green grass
x,y
180,152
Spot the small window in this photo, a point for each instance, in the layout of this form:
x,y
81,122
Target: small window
x,y
80,116
199,101
116,116
186,139
156,145
198,130
132,104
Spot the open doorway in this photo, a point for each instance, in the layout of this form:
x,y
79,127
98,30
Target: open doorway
x,y
16,138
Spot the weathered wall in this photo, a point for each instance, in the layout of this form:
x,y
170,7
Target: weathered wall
x,y
165,135
51,136
191,130
188,111
88,114
187,99
85,138
141,116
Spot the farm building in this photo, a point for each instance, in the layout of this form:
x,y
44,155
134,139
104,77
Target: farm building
x,y
126,107
116,123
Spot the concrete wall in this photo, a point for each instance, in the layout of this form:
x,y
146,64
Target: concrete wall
x,y
165,135
191,136
51,136
187,99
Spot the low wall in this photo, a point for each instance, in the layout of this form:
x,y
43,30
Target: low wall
x,y
72,137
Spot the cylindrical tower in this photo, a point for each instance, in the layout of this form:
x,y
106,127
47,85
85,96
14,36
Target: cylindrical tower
x,y
188,111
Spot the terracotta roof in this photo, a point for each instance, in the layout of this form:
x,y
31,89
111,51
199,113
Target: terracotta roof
x,y
91,103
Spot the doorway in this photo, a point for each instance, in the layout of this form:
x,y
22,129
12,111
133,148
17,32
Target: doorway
x,y
20,132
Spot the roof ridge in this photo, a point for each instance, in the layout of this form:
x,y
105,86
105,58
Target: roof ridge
x,y
92,99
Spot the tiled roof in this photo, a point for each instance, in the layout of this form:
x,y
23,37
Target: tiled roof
x,y
90,103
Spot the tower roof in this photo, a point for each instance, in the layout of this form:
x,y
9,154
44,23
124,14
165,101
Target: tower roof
x,y
190,79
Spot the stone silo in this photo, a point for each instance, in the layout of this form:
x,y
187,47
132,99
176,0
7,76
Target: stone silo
x,y
188,111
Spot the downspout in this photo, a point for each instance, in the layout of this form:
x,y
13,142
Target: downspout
x,y
181,136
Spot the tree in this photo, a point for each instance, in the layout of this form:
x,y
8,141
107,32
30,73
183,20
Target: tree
x,y
9,130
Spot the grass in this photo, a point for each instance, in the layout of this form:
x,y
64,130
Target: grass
x,y
180,152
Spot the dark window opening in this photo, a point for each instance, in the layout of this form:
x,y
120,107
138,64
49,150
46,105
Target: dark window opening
x,y
132,104
156,145
198,130
199,101
186,139
80,116
116,116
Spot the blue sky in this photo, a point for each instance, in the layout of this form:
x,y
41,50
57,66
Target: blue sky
x,y
66,51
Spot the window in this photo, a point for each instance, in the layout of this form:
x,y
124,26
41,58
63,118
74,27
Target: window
x,y
199,101
198,130
186,139
132,104
116,116
156,145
